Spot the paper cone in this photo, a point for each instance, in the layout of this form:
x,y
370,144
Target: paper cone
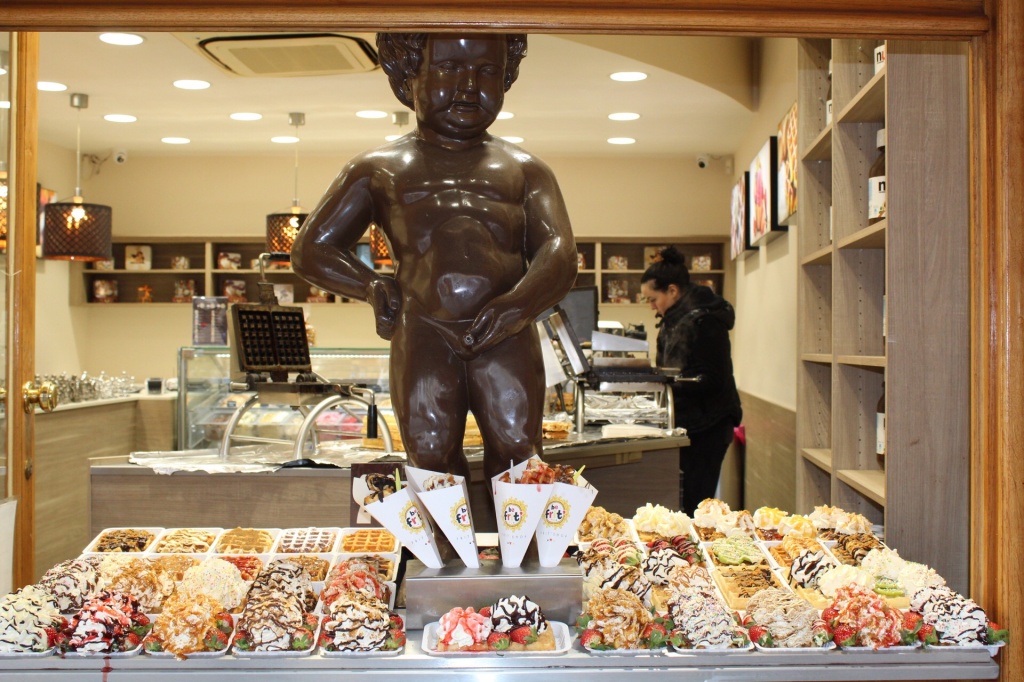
x,y
564,513
519,508
400,513
449,509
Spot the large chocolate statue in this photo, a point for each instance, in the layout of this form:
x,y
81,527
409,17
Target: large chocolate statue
x,y
482,245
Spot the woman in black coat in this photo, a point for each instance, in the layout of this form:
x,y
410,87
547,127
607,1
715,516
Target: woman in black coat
x,y
693,336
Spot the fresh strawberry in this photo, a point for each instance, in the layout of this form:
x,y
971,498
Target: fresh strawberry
x,y
912,621
926,633
582,621
302,640
131,641
740,637
309,622
654,634
225,622
745,620
485,612
51,637
395,640
524,634
141,619
829,615
997,634
591,639
844,635
240,641
498,641
821,633
216,640
760,635
395,622
152,644
676,638
325,639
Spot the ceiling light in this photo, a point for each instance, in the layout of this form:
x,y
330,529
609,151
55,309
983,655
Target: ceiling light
x,y
628,76
284,139
187,84
175,140
505,115
246,116
621,140
514,139
624,116
121,38
5,104
120,118
74,230
283,228
48,86
372,113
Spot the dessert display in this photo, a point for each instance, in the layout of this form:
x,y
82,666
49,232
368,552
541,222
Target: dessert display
x,y
286,576
805,574
739,584
356,622
30,621
797,526
707,517
145,581
766,522
174,565
655,522
791,546
108,623
824,518
600,523
189,625
463,630
380,486
186,540
518,624
218,579
315,566
852,548
617,619
276,615
693,575
658,566
606,573
788,621
859,617
623,550
438,482
303,540
832,580
848,523
736,550
701,621
368,540
123,540
249,566
954,619
379,565
245,541
353,577
72,583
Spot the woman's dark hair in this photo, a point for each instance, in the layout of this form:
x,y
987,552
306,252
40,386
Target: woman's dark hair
x,y
401,55
670,268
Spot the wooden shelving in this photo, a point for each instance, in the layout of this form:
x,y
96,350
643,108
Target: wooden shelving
x,y
615,266
916,259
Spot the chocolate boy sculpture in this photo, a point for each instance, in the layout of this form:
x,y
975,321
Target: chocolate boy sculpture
x,y
482,245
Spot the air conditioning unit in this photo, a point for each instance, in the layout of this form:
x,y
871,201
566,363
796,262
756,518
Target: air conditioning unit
x,y
286,55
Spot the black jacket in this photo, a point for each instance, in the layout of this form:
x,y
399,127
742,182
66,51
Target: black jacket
x,y
694,337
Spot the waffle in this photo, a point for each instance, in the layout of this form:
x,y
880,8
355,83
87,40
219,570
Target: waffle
x,y
249,566
314,565
600,523
124,540
186,540
368,540
374,563
738,585
245,541
175,564
851,549
299,540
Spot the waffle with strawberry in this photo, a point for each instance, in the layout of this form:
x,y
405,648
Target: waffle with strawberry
x,y
617,619
108,623
539,471
524,623
656,522
72,583
790,620
701,621
30,621
345,578
955,620
357,622
186,540
216,578
739,584
189,625
466,630
859,617
600,523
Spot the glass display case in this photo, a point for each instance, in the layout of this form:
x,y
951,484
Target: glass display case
x,y
206,403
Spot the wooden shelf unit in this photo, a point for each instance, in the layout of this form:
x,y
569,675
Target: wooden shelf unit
x,y
917,258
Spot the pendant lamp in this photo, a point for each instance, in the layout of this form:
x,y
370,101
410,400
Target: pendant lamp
x,y
75,230
379,246
282,228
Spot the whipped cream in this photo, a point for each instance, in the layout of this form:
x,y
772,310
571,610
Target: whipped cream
x,y
72,583
659,520
768,517
957,619
218,579
840,576
509,613
357,623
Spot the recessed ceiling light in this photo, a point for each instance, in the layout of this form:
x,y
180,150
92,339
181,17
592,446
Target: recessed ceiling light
x,y
246,116
187,84
514,139
284,139
175,140
120,118
372,113
391,138
505,115
621,140
5,104
628,76
121,38
48,86
3,71
624,116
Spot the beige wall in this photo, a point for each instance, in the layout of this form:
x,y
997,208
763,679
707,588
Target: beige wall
x,y
764,341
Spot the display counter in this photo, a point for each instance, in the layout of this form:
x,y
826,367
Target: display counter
x,y
933,664
628,472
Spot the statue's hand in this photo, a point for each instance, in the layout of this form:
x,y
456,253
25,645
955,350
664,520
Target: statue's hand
x,y
385,297
495,323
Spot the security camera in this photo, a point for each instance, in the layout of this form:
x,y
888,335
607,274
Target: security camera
x,y
120,157
703,160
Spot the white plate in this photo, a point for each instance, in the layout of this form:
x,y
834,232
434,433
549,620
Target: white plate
x,y
330,550
383,653
585,545
992,649
104,654
717,651
27,654
273,541
339,547
90,548
563,641
168,531
829,646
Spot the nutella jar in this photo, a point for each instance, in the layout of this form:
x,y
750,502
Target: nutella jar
x,y
876,183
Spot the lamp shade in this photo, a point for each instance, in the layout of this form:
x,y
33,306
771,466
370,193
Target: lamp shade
x,y
379,246
282,228
77,231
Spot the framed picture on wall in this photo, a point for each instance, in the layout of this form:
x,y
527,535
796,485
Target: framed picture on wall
x,y
787,168
739,235
762,209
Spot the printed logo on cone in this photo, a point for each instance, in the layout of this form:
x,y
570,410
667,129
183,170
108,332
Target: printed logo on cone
x,y
513,513
557,512
460,514
412,518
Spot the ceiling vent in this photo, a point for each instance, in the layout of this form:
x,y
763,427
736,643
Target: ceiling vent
x,y
284,55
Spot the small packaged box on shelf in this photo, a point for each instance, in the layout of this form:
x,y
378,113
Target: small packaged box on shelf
x,y
138,257
229,260
104,290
